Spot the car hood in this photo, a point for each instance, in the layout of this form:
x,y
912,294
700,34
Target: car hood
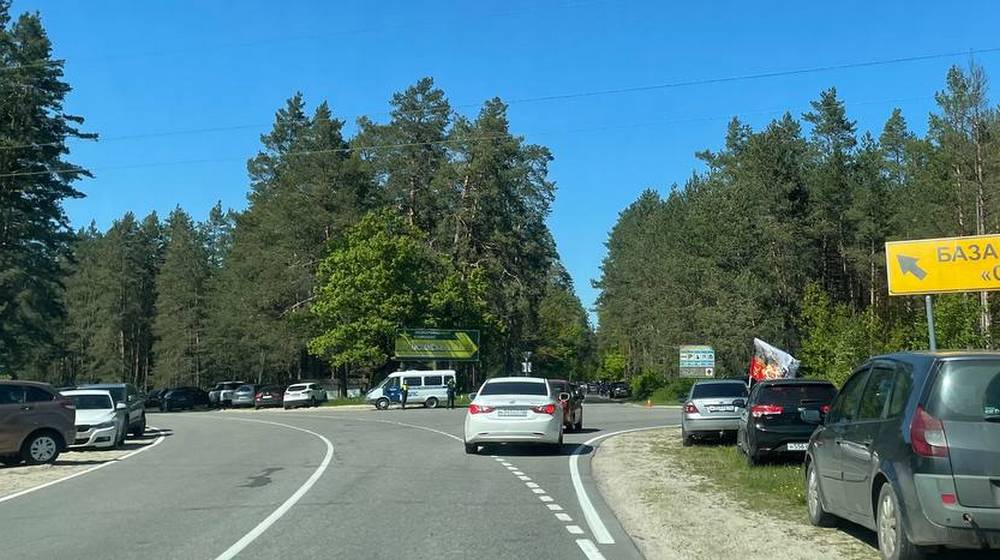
x,y
94,416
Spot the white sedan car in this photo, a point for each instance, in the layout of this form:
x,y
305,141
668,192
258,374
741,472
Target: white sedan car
x,y
514,410
99,421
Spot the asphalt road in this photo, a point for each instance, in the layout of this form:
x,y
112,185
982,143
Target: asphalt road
x,y
327,483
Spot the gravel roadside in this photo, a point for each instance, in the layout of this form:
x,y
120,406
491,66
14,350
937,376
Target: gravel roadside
x,y
670,514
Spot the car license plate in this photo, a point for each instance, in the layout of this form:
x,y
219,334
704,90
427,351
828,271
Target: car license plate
x,y
511,413
266,396
797,446
721,408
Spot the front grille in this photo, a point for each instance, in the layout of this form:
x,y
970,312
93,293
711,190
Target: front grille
x,y
83,428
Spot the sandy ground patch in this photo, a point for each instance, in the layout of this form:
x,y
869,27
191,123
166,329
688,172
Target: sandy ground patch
x,y
670,515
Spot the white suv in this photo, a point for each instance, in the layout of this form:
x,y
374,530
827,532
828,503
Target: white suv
x,y
304,394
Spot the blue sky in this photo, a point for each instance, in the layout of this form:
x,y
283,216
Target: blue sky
x,y
141,68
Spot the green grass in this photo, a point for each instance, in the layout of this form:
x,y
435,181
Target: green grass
x,y
774,488
343,402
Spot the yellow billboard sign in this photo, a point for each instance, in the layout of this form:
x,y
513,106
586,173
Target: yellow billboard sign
x,y
935,266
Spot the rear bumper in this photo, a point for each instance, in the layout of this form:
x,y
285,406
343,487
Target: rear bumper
x,y
695,424
262,403
776,439
237,402
536,431
938,524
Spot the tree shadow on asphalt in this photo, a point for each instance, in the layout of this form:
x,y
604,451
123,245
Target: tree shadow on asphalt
x,y
529,450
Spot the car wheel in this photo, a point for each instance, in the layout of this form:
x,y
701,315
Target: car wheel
x,y
686,440
893,544
40,448
471,448
382,403
431,402
286,407
814,499
140,429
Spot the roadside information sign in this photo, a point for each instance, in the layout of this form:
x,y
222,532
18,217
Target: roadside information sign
x,y
697,361
437,344
937,266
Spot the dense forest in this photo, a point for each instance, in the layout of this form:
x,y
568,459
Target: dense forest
x,y
430,219
782,235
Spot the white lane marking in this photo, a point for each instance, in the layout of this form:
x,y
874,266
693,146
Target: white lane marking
x,y
574,529
589,549
564,517
277,514
525,478
517,473
546,498
511,469
87,470
531,484
505,463
554,507
538,490
597,526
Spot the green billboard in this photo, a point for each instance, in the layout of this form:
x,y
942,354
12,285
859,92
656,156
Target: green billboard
x,y
438,344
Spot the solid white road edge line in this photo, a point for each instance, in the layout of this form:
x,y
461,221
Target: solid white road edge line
x,y
84,471
277,514
589,549
597,526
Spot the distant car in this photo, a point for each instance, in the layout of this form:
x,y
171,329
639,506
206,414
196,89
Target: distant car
x,y
712,409
303,394
222,394
780,416
153,398
619,391
243,396
134,402
183,398
36,423
911,449
269,395
572,406
100,421
514,410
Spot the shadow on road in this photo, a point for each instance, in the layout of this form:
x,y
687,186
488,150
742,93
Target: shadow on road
x,y
527,450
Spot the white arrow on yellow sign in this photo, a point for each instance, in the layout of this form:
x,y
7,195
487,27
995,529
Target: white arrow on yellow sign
x,y
935,266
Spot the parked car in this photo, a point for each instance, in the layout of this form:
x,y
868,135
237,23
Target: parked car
x,y
100,421
572,405
36,423
183,398
619,390
134,402
911,449
153,397
712,409
222,393
780,415
514,410
244,396
269,395
303,394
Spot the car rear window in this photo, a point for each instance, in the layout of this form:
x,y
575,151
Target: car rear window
x,y
245,389
966,391
719,390
296,388
558,387
791,395
514,388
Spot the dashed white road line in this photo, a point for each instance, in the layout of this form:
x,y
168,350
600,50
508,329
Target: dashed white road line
x,y
525,478
546,498
597,526
277,514
554,507
538,490
574,529
531,484
158,441
589,549
564,517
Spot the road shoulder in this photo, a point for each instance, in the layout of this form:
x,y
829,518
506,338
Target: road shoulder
x,y
670,513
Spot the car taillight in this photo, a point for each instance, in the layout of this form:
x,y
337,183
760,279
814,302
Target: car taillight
x,y
927,435
545,409
479,409
258,395
766,410
67,404
690,408
825,409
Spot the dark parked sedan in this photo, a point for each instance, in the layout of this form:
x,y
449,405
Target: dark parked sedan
x,y
911,450
780,415
269,395
183,398
153,397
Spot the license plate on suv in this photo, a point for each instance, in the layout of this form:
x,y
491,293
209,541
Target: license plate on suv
x,y
511,413
796,446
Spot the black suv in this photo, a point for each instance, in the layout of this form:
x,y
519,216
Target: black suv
x,y
780,415
911,450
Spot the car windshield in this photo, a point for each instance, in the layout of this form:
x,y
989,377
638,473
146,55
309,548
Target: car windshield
x,y
514,388
92,402
966,391
718,390
792,395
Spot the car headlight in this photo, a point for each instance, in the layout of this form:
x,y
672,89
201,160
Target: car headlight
x,y
108,424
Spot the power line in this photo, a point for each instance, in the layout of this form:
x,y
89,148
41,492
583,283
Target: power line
x,y
592,93
451,141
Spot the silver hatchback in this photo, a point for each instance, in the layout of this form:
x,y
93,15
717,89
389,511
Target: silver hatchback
x,y
712,409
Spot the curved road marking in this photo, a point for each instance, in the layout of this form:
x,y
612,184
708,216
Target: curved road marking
x,y
597,526
85,471
277,514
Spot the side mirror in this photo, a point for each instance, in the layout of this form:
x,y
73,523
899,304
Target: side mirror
x,y
740,403
472,396
812,417
564,396
120,406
